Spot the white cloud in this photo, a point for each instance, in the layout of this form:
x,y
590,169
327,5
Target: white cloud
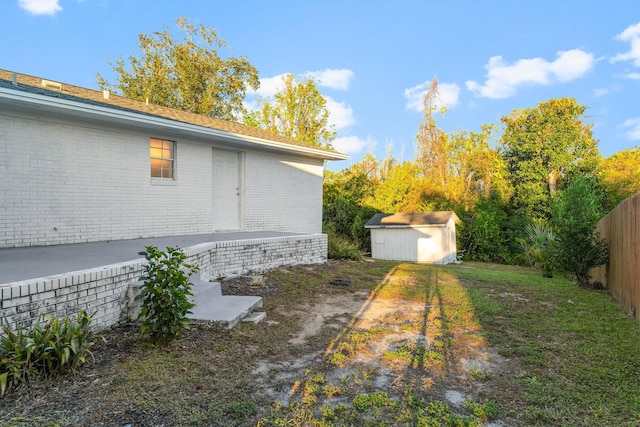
x,y
503,79
571,65
633,126
40,7
269,86
448,94
632,35
340,115
631,76
602,91
333,79
352,144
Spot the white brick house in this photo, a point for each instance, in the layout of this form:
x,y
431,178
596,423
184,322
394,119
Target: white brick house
x,y
82,166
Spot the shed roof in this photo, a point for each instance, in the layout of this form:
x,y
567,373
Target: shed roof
x,y
11,81
415,219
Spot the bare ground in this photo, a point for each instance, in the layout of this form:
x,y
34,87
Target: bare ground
x,y
270,362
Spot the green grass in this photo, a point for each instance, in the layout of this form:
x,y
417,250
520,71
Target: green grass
x,y
568,357
579,351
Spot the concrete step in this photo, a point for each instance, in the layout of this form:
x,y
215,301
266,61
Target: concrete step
x,y
254,317
226,310
211,307
205,291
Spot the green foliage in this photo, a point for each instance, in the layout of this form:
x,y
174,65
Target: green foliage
x,y
343,212
488,232
297,111
575,215
483,411
544,146
400,189
377,399
46,351
185,72
164,294
339,247
540,248
620,175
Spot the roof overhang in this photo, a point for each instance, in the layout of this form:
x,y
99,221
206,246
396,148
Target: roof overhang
x,y
407,226
46,104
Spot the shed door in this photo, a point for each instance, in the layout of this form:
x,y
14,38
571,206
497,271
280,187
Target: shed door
x,y
226,189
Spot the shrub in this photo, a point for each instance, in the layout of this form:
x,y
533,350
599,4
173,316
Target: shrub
x,y
575,215
57,347
165,294
339,247
540,248
489,232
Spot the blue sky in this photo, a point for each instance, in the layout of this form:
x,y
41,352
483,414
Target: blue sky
x,y
372,59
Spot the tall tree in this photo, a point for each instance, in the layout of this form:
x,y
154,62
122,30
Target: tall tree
x,y
458,167
343,211
542,148
620,175
185,72
400,189
431,150
475,169
297,111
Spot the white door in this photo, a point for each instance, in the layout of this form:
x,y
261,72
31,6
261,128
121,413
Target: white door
x,y
226,189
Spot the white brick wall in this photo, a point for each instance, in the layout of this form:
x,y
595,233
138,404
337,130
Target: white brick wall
x,y
72,182
295,204
103,292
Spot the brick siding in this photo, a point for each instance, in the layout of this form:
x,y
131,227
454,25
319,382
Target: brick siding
x,y
74,182
103,292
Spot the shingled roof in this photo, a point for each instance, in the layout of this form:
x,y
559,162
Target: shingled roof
x,y
415,219
64,91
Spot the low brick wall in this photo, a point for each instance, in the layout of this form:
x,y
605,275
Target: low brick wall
x,y
103,291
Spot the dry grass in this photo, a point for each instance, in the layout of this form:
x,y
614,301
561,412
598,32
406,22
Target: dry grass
x,y
403,345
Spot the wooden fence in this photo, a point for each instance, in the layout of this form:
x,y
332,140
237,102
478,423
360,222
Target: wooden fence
x,y
621,276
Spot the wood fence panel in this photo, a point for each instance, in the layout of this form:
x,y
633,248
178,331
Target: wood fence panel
x,y
621,276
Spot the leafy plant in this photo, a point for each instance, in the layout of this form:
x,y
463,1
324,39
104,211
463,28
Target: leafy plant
x,y
483,411
165,294
57,347
540,248
575,215
339,247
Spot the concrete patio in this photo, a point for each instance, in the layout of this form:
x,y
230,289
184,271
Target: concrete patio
x,y
18,264
102,278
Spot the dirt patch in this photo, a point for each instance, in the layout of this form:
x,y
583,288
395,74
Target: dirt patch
x,y
447,363
360,340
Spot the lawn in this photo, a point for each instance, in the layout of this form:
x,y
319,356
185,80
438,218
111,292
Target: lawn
x,y
403,344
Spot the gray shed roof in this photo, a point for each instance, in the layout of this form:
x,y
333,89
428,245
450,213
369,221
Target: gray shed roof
x,y
416,219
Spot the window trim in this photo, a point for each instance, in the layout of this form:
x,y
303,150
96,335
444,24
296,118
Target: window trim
x,y
171,159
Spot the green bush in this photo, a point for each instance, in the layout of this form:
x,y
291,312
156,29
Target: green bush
x,y
339,247
576,213
489,232
165,294
540,248
57,347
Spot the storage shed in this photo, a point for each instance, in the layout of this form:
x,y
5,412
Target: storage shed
x,y
426,237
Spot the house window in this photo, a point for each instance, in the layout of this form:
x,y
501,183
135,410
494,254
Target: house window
x,y
162,153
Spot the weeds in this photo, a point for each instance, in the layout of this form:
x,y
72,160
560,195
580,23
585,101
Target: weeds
x,y
340,248
573,357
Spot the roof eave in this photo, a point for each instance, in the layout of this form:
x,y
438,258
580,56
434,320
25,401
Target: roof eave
x,y
407,226
79,109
